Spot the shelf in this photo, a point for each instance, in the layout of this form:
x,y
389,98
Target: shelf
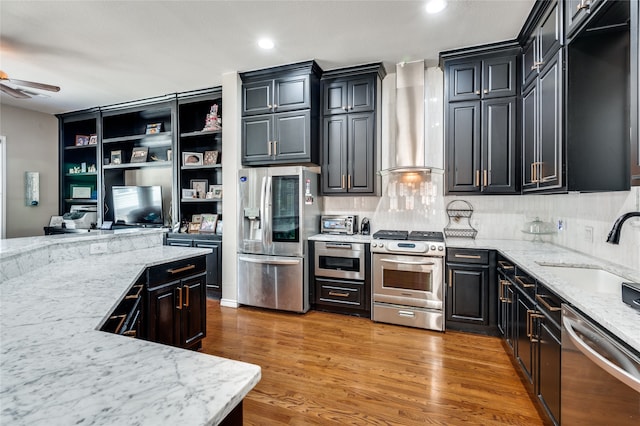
x,y
200,200
161,135
81,174
200,133
72,147
81,200
210,166
138,165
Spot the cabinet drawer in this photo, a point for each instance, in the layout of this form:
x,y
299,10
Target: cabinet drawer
x,y
456,255
525,283
342,293
175,270
178,242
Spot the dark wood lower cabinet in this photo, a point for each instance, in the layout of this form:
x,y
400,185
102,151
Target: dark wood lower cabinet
x,y
214,259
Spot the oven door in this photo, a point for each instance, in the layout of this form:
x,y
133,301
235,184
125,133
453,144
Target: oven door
x,y
339,260
408,280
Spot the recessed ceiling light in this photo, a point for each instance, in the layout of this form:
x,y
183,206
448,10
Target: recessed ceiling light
x,y
265,43
435,6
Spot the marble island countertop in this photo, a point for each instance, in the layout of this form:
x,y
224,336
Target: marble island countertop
x,y
606,308
56,367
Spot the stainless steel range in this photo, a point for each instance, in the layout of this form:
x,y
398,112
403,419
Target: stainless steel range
x,y
408,278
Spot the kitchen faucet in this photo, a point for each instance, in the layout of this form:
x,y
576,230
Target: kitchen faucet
x,y
614,234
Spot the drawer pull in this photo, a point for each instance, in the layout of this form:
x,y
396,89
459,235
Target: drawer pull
x,y
122,318
542,298
468,256
130,333
186,297
137,294
407,314
335,293
183,269
523,284
505,265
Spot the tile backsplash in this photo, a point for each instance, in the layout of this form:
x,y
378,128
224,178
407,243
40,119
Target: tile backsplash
x,y
586,219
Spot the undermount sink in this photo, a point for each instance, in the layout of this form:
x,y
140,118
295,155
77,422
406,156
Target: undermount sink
x,y
589,278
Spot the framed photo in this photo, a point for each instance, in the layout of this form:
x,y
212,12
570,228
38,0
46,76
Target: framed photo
x,y
216,191
93,139
56,221
153,128
200,186
210,157
196,218
191,159
208,223
194,228
82,140
81,191
188,193
219,228
139,154
116,157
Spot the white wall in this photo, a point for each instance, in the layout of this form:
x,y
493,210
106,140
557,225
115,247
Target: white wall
x,y
32,145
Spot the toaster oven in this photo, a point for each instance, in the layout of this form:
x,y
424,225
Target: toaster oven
x,y
339,224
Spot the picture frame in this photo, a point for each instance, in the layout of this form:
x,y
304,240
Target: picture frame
x,y
56,221
219,228
196,218
190,159
93,139
81,191
208,223
153,128
194,228
82,140
210,158
200,187
216,191
139,154
188,193
116,157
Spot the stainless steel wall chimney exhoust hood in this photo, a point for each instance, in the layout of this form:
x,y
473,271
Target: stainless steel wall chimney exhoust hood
x,y
408,153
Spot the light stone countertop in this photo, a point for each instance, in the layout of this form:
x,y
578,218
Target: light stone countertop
x,y
607,309
356,238
57,368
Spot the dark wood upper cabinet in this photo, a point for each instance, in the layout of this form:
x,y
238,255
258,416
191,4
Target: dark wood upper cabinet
x,y
635,93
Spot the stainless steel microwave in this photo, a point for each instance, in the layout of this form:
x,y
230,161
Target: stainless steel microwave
x,y
339,224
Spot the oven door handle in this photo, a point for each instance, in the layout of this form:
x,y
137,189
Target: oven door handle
x,y
404,262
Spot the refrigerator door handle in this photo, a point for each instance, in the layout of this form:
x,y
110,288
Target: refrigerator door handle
x,y
268,240
269,261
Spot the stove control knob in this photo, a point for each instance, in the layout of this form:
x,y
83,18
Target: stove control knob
x,y
440,248
381,245
374,245
433,247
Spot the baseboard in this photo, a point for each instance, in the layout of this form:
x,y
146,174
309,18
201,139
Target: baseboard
x,y
229,303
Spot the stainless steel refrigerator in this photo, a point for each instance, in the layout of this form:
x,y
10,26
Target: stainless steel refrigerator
x,y
279,209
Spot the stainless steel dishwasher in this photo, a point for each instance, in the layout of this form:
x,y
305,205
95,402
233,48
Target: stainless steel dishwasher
x,y
600,375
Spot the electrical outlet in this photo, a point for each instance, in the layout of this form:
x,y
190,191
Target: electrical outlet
x,y
98,248
588,233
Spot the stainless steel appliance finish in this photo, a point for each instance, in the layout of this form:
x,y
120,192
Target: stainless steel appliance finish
x,y
339,224
600,376
339,260
408,278
279,210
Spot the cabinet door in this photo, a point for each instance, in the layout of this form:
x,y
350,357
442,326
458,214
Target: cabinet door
x,y
549,35
334,154
499,77
529,61
464,81
499,146
361,173
524,346
463,147
635,93
334,97
214,265
257,97
256,139
575,13
505,311
291,93
163,315
550,350
529,137
549,126
361,95
292,137
467,294
193,318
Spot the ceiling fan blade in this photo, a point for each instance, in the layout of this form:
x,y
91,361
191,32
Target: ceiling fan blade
x,y
35,85
13,92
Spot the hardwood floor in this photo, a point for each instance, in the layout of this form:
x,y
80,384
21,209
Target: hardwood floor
x,y
322,368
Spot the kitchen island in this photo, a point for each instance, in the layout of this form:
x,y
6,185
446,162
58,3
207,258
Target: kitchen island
x,y
56,367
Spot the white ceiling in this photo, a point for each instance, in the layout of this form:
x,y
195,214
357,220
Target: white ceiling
x,y
106,52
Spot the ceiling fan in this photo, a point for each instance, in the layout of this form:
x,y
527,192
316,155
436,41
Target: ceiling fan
x,y
22,93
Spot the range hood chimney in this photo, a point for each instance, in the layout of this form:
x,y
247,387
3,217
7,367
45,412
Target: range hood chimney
x,y
408,154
